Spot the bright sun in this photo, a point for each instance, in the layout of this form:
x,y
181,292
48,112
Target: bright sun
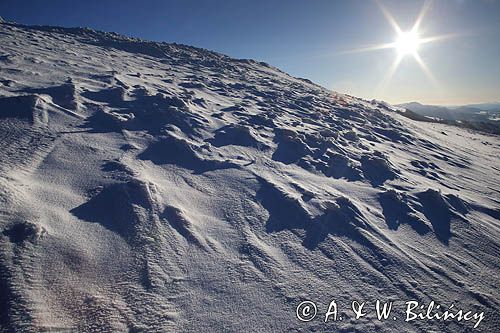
x,y
407,43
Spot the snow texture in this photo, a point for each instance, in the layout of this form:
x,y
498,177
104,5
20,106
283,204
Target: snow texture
x,y
153,187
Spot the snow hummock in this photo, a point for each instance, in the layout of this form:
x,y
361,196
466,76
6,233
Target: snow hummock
x,y
161,187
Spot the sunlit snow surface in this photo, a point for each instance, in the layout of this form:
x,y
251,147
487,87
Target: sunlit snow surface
x,y
160,187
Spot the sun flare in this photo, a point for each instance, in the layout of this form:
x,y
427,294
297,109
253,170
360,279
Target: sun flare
x,y
407,43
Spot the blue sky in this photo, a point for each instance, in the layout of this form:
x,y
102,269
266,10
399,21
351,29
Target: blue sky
x,y
313,39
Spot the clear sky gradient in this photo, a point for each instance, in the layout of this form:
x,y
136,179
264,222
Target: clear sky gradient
x,y
313,39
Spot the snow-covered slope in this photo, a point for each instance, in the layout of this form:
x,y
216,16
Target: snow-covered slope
x,y
160,187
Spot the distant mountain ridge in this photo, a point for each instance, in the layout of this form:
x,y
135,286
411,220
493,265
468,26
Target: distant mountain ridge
x,y
484,117
478,112
494,106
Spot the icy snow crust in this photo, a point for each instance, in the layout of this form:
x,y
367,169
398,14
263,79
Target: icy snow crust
x,y
159,187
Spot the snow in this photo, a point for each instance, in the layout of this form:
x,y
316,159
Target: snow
x,y
160,187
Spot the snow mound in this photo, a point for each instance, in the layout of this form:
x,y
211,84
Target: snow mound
x,y
237,135
176,218
28,107
122,208
440,209
64,95
398,210
24,231
180,152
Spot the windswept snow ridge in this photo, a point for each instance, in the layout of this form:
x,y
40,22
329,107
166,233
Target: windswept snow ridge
x,y
150,187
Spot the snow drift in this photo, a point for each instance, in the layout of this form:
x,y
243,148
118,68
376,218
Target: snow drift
x,y
160,187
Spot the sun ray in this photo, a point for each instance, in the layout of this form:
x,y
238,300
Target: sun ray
x,y
438,38
388,77
421,15
389,17
426,70
369,48
407,43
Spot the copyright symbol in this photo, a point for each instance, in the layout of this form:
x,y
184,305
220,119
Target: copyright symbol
x,y
306,311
